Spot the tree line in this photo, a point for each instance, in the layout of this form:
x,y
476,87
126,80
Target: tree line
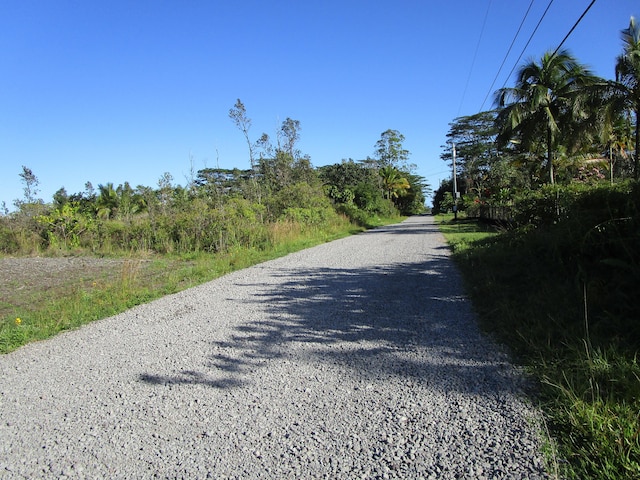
x,y
558,125
219,208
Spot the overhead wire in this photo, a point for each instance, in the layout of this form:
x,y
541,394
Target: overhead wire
x,y
504,60
526,45
464,93
574,27
531,37
528,42
561,43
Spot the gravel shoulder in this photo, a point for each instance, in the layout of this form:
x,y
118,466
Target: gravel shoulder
x,y
359,358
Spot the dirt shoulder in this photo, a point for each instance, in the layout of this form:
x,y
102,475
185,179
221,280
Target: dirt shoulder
x,y
24,280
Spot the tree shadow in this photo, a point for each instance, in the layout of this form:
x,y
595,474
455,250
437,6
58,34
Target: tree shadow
x,y
409,320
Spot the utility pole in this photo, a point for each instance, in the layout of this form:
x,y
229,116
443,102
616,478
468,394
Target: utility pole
x,y
455,184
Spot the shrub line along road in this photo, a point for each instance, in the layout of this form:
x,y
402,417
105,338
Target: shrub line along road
x,y
359,358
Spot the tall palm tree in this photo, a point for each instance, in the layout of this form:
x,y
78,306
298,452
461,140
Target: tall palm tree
x,y
543,100
627,85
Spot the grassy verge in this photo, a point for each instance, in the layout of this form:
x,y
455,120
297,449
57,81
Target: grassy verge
x,y
551,303
463,232
45,310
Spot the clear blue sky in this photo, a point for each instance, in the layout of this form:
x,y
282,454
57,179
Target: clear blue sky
x,y
115,91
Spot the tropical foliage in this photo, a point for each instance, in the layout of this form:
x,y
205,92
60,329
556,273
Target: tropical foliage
x,y
625,101
219,209
559,123
555,166
543,105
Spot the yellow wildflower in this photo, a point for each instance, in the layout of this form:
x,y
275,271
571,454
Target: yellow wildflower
x,y
18,321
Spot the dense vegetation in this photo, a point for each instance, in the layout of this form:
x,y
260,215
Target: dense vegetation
x,y
561,292
559,124
555,168
174,236
219,209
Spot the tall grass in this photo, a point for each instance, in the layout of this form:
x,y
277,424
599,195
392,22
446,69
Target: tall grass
x,y
562,295
143,277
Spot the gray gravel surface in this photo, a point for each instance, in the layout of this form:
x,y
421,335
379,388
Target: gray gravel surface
x,y
359,358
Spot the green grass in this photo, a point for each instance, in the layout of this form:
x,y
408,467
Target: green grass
x,y
463,232
77,301
563,315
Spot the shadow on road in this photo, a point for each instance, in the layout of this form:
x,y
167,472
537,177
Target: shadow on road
x,y
408,320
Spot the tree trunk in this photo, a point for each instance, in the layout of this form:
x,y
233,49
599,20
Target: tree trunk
x,y
636,168
550,156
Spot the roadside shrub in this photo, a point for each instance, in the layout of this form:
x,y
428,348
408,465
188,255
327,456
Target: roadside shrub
x,y
9,243
297,195
353,213
315,217
367,197
113,235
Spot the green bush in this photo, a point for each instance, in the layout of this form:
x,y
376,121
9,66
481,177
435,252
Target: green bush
x,y
353,213
553,203
9,243
315,217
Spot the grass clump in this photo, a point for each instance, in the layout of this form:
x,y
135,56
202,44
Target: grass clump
x,y
561,293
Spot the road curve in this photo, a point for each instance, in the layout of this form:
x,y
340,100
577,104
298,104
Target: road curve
x,y
359,358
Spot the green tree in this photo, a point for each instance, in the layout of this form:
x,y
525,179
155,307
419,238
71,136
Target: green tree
x,y
108,201
288,137
130,202
60,198
412,201
165,191
542,101
347,173
341,179
615,138
476,149
442,197
30,188
389,150
393,183
86,201
223,180
286,165
238,115
626,95
65,225
355,188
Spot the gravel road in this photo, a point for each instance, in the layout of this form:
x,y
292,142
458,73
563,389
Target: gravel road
x,y
359,358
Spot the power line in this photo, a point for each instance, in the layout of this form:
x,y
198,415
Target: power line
x,y
464,93
528,42
561,43
507,54
573,28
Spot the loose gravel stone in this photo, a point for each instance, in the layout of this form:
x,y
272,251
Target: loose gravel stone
x,y
360,358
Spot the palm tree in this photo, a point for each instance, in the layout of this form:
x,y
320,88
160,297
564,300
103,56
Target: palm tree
x,y
108,201
393,182
543,100
627,84
614,124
